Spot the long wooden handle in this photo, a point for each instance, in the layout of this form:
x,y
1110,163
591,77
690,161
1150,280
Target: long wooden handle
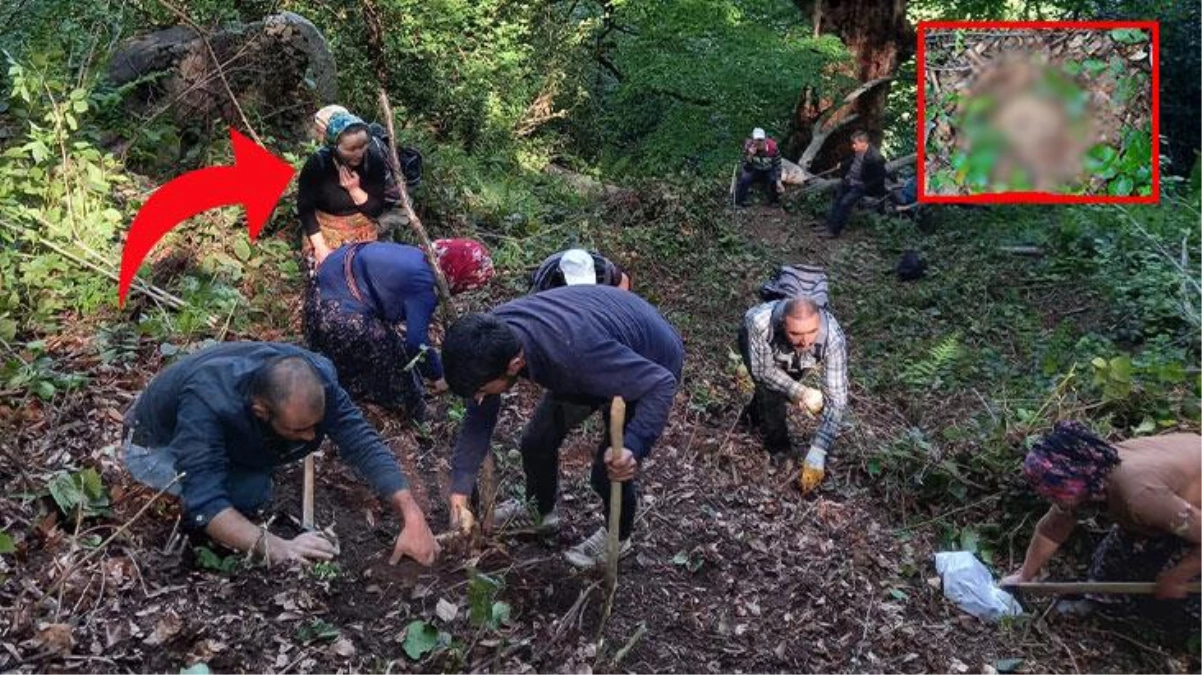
x,y
307,495
1097,587
617,421
415,223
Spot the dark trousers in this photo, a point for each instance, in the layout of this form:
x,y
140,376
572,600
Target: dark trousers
x,y
845,198
541,438
768,411
749,176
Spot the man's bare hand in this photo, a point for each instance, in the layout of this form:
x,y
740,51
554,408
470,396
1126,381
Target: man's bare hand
x,y
305,547
1012,580
416,541
621,468
1169,587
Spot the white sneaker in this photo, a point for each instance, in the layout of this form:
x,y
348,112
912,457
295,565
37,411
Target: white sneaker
x,y
594,551
517,515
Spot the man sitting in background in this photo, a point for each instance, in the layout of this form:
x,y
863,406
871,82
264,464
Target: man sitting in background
x,y
863,173
761,164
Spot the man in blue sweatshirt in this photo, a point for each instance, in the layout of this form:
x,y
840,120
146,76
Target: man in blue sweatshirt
x,y
226,416
584,345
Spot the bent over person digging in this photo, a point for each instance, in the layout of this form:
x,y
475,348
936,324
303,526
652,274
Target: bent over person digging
x,y
1151,488
780,341
226,416
584,345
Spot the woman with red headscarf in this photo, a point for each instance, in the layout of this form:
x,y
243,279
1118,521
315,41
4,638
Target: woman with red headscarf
x,y
363,292
1152,489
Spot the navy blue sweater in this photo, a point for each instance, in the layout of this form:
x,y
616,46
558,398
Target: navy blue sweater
x,y
587,343
200,409
396,283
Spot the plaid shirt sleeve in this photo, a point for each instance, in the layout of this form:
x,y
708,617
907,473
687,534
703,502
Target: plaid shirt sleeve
x,y
834,386
763,366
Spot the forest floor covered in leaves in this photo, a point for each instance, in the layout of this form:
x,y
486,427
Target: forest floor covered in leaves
x,y
733,570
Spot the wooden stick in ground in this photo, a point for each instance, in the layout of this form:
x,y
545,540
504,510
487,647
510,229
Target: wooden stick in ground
x,y
1096,587
307,495
617,420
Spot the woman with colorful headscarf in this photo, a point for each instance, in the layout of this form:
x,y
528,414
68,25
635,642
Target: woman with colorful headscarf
x,y
1152,489
362,292
341,189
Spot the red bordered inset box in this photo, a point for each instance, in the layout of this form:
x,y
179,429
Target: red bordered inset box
x,y
1152,27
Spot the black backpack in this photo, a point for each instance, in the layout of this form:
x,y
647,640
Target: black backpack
x,y
797,281
410,158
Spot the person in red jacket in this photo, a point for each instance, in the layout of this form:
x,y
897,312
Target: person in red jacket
x,y
761,164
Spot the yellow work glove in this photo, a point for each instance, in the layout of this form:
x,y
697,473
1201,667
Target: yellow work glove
x,y
813,470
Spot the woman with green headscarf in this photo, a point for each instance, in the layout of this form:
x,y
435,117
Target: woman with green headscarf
x,y
341,190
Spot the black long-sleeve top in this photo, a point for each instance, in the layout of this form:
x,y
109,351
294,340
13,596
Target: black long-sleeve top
x,y
318,188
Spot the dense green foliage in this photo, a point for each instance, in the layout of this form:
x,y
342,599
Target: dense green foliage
x,y
952,375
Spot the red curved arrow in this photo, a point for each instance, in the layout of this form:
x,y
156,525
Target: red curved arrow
x,y
257,180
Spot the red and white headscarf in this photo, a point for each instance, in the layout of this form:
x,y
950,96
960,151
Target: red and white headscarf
x,y
465,262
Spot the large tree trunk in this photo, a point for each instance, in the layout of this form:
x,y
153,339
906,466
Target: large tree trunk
x,y
880,38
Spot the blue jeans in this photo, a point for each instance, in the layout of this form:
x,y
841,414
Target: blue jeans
x,y
845,199
248,491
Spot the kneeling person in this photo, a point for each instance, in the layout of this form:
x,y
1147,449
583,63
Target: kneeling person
x,y
584,345
226,416
780,342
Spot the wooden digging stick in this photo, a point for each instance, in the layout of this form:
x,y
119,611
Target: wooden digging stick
x,y
307,496
617,420
1098,587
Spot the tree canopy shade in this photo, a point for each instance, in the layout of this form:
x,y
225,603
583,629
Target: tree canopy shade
x,y
685,81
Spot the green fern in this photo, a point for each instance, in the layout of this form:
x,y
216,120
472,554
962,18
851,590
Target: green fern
x,y
929,371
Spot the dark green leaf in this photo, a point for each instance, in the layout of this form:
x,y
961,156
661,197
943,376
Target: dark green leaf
x,y
6,543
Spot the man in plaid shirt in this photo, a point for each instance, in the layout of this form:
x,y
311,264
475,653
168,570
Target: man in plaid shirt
x,y
780,341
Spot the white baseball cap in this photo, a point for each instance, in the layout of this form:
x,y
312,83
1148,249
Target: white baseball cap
x,y
577,267
758,134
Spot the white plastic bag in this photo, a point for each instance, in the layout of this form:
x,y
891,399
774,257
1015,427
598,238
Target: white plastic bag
x,y
968,583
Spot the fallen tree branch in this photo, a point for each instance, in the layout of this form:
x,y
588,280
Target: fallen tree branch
x,y
819,133
153,292
1022,250
444,291
216,64
816,186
